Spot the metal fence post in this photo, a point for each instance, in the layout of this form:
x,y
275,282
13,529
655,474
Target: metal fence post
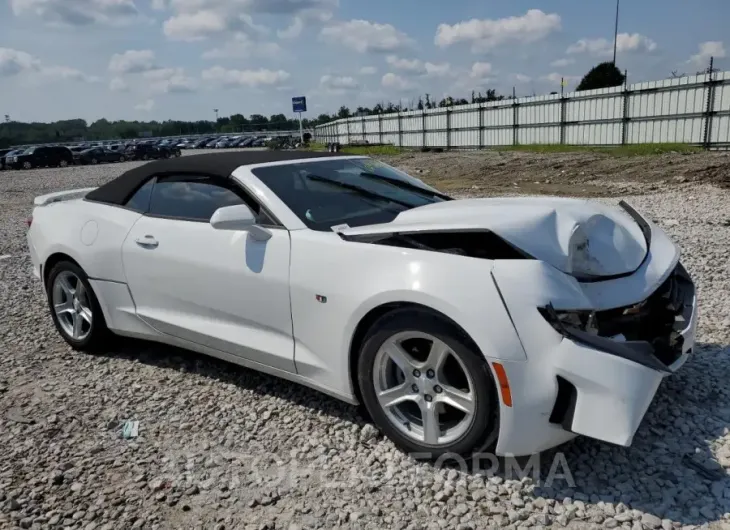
x,y
380,128
625,118
448,128
563,110
710,108
515,122
400,130
423,128
480,110
347,124
364,136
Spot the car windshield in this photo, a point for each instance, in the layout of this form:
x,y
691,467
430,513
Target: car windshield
x,y
346,191
29,151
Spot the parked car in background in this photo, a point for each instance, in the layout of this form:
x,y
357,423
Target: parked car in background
x,y
211,144
202,142
246,142
5,160
143,152
258,142
168,151
97,155
42,156
3,152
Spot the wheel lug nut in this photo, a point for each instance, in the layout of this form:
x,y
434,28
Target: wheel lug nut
x,y
416,373
438,389
414,388
430,374
428,398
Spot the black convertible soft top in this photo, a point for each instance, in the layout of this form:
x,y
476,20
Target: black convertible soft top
x,y
117,191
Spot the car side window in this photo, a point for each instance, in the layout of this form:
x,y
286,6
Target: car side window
x,y
191,198
140,200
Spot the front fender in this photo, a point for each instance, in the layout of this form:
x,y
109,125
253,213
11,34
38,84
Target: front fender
x,y
334,284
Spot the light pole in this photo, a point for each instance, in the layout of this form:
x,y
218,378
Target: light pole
x,y
216,115
615,33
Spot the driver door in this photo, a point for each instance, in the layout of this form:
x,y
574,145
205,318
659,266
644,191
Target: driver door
x,y
218,288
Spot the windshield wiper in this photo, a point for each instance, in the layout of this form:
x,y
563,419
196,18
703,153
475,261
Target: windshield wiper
x,y
404,185
362,191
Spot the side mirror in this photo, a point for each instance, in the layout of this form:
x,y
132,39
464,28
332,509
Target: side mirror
x,y
239,218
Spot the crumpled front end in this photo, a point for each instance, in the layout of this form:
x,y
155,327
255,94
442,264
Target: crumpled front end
x,y
597,351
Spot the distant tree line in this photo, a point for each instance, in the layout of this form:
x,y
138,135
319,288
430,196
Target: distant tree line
x,y
12,133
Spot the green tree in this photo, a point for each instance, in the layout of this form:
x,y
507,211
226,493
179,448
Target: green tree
x,y
604,75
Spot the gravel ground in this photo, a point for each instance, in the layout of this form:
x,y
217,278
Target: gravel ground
x,y
223,447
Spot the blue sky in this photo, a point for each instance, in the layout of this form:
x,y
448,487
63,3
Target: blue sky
x,y
180,59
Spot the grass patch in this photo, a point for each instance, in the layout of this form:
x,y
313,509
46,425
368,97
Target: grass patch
x,y
375,150
624,150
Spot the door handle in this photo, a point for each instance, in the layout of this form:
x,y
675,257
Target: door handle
x,y
147,242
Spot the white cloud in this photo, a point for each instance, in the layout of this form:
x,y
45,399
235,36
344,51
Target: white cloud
x,y
522,78
707,50
415,66
77,12
249,78
338,84
170,80
562,63
118,84
396,82
15,62
364,36
159,5
555,78
408,65
145,106
243,47
132,62
484,35
437,70
368,70
625,43
481,70
199,19
66,72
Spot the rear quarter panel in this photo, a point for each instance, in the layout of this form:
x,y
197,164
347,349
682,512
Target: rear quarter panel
x,y
90,233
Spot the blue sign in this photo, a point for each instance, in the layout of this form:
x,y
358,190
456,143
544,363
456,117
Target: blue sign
x,y
299,104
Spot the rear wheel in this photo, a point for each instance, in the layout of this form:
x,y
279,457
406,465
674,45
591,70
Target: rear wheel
x,y
27,165
74,307
94,161
145,156
63,163
122,159
426,386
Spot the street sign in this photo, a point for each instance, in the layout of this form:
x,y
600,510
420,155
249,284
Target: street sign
x,y
299,104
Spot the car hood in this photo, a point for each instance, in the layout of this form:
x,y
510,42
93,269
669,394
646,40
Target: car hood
x,y
583,238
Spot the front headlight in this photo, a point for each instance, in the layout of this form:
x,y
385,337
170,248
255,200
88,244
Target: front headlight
x,y
562,321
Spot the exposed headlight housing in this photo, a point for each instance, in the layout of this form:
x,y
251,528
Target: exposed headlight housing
x,y
582,320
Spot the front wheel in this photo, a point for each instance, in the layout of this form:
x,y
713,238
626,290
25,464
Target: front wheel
x,y
122,159
426,386
27,165
63,163
74,307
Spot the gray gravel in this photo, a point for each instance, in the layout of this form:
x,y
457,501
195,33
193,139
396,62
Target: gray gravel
x,y
223,447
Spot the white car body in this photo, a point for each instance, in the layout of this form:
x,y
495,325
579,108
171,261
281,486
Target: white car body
x,y
259,304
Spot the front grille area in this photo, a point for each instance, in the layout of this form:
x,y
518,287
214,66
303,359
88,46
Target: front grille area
x,y
658,320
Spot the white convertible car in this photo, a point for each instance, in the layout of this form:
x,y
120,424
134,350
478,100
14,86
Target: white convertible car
x,y
509,324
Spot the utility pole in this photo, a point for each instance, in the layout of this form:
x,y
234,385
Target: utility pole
x,y
615,33
216,115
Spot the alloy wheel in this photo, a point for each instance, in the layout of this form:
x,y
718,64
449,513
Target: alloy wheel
x,y
72,305
424,388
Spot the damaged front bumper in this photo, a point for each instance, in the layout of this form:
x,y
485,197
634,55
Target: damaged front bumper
x,y
595,375
606,381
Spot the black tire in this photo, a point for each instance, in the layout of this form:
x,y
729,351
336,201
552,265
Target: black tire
x,y
145,156
27,165
122,159
482,431
99,334
94,161
63,163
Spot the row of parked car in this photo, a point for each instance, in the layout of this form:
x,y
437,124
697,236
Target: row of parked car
x,y
33,156
223,142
